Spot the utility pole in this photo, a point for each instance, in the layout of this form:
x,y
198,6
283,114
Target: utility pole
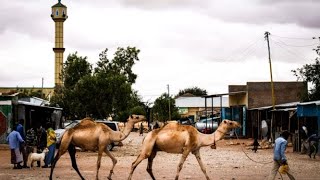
x,y
42,96
266,36
169,102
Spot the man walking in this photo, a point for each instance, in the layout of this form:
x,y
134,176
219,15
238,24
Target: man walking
x,y
15,139
279,157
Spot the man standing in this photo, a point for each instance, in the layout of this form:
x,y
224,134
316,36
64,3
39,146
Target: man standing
x,y
31,140
15,139
20,129
42,140
279,157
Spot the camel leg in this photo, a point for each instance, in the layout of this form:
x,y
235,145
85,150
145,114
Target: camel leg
x,y
72,153
150,160
101,149
61,151
135,164
183,158
114,162
147,148
197,154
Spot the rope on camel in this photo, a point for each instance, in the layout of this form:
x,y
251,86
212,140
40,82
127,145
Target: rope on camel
x,y
250,157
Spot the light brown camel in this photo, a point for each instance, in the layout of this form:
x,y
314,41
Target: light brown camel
x,y
92,136
179,139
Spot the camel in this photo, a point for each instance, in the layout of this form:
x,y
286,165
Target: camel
x,y
179,139
92,136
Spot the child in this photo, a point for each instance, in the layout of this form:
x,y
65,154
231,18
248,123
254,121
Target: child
x,y
141,130
255,145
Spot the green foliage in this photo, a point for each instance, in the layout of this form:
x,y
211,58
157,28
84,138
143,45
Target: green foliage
x,y
102,92
196,91
160,109
311,73
75,68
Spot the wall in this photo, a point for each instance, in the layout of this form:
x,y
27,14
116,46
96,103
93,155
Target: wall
x,y
237,99
259,93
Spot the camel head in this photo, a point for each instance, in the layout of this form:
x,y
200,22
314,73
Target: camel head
x,y
228,124
136,118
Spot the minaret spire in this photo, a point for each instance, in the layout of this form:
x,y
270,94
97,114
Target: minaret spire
x,y
58,15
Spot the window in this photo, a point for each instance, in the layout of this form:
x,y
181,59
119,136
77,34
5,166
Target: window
x,y
57,12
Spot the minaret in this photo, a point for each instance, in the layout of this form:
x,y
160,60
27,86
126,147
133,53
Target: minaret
x,y
59,15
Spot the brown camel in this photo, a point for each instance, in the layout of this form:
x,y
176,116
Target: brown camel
x,y
92,136
179,139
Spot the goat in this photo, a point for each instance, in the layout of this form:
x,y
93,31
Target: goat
x,y
37,157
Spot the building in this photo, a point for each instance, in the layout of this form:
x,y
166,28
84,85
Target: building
x,y
58,15
195,107
34,111
258,102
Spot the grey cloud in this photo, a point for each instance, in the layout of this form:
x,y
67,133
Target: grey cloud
x,y
301,12
31,21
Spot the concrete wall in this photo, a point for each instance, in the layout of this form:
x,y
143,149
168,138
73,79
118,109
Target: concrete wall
x,y
259,93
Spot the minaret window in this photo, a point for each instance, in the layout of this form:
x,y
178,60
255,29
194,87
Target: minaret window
x,y
57,12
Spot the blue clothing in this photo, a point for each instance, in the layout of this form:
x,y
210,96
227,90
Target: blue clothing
x,y
279,149
21,131
14,140
50,156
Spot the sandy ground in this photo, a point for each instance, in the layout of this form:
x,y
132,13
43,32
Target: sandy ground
x,y
225,162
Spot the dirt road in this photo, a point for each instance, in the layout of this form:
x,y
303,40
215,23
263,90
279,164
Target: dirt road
x,y
225,162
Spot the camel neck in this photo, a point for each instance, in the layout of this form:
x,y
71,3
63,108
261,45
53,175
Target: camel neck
x,y
210,139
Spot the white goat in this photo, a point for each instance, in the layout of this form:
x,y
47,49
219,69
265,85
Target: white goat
x,y
37,157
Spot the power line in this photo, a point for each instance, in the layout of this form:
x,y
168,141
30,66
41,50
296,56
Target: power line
x,y
246,51
291,45
289,51
298,38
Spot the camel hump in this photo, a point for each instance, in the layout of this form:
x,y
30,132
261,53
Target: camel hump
x,y
85,123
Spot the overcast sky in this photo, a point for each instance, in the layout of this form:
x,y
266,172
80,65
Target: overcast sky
x,y
184,43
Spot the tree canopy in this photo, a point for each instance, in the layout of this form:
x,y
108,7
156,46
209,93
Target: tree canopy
x,y
103,91
311,73
196,91
160,108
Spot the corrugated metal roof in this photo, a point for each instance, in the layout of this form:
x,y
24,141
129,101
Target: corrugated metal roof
x,y
311,102
291,104
37,105
200,102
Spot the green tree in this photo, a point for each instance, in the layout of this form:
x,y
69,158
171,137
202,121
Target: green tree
x,y
75,69
102,92
114,79
311,73
196,91
160,108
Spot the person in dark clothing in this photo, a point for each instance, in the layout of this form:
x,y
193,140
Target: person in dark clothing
x,y
313,141
255,145
42,140
141,130
31,140
20,129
